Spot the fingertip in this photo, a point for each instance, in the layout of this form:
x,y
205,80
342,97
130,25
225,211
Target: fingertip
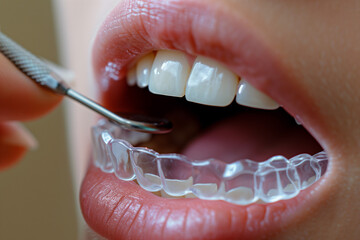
x,y
10,155
20,97
14,133
15,141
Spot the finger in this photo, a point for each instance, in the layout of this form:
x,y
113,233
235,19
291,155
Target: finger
x,y
15,140
20,97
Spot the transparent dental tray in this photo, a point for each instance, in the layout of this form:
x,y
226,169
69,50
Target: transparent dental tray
x,y
241,182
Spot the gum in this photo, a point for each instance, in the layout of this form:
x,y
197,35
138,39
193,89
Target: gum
x,y
242,182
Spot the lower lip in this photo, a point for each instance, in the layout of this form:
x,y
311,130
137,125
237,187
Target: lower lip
x,y
123,210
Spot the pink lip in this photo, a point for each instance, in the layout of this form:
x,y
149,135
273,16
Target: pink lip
x,y
122,210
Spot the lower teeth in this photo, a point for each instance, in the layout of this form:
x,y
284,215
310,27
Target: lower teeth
x,y
241,182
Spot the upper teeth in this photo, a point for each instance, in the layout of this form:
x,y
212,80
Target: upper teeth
x,y
143,70
249,96
169,74
208,82
211,83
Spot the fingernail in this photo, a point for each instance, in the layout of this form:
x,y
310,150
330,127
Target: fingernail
x,y
17,134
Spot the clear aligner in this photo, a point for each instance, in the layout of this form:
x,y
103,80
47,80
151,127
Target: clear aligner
x,y
241,182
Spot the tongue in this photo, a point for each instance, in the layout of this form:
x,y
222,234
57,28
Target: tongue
x,y
256,135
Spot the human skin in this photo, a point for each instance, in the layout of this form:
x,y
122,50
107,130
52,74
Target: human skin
x,y
315,46
315,43
20,100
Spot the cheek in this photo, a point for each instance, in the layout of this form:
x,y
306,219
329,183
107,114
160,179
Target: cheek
x,y
318,44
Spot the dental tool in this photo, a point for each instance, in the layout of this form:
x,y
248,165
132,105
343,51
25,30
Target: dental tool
x,y
38,71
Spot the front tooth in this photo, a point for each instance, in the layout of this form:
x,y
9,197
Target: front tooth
x,y
204,190
131,77
177,187
243,195
210,83
165,195
298,120
143,70
249,96
169,73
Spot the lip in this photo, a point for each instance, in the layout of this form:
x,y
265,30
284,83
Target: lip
x,y
123,210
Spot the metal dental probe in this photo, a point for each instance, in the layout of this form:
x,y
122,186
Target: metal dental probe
x,y
38,71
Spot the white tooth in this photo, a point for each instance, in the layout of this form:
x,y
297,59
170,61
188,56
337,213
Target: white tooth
x,y
297,120
249,96
143,69
240,194
308,182
190,195
211,83
153,178
165,195
176,187
272,192
205,188
289,188
131,77
169,73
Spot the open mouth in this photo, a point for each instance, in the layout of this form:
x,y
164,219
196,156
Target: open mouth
x,y
234,154
231,142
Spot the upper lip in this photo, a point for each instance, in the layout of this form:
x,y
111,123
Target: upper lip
x,y
134,28
137,27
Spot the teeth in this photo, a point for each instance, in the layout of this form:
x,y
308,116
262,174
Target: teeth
x,y
190,195
121,156
131,77
172,175
143,70
153,178
146,170
165,195
308,170
169,73
178,187
210,83
297,120
241,194
204,189
248,96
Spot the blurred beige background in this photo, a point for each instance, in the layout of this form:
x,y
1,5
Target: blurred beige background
x,y
36,197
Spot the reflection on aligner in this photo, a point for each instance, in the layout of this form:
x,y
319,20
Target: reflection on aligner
x,y
242,182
